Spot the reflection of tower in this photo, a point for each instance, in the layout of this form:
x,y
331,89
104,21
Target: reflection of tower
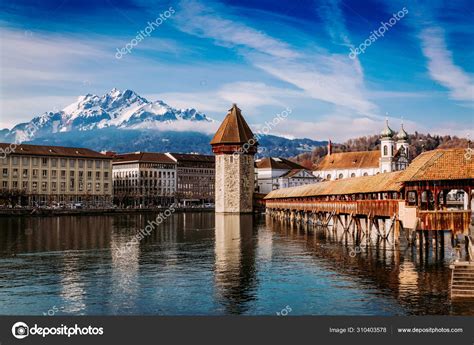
x,y
234,146
234,261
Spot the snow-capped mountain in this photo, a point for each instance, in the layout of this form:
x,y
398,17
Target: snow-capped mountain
x,y
116,109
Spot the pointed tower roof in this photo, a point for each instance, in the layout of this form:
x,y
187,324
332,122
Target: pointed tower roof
x,y
387,132
233,130
402,135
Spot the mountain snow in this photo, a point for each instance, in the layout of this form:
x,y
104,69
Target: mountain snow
x,y
119,109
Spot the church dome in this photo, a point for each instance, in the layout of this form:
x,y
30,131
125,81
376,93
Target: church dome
x,y
402,135
387,132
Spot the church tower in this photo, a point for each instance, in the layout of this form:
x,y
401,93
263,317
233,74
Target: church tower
x,y
387,147
402,149
234,146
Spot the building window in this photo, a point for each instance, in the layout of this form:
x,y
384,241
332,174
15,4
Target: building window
x,y
34,186
35,173
341,176
14,160
45,173
44,186
44,161
72,163
353,175
25,184
392,150
35,161
25,161
4,184
54,162
54,173
63,163
81,163
328,177
385,150
97,164
365,174
15,173
5,172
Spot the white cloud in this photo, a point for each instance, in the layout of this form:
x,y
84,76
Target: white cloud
x,y
249,95
442,68
326,77
196,19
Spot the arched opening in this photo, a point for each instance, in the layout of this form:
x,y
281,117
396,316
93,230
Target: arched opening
x,y
328,177
341,176
427,200
385,150
365,174
353,175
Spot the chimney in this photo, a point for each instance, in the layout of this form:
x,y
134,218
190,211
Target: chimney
x,y
329,147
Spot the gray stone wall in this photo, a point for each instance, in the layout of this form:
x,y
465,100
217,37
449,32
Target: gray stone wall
x,y
234,183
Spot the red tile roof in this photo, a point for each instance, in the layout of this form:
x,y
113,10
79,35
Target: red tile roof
x,y
148,157
350,160
58,151
447,164
277,163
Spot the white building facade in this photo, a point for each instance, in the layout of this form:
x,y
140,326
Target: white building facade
x,y
392,156
275,173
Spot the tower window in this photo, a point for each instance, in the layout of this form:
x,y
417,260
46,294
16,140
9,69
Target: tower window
x,y
392,150
385,150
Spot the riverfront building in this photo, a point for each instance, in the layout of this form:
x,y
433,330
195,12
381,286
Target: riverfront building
x,y
51,175
195,178
275,173
144,179
392,156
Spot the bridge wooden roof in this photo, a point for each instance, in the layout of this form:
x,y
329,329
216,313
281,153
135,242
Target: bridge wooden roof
x,y
437,165
387,182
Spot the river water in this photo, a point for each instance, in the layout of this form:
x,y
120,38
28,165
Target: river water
x,y
206,264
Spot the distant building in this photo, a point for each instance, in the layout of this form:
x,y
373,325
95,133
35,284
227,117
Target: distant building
x,y
144,179
195,178
392,156
48,175
275,173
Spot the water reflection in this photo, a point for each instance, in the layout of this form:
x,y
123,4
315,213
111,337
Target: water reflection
x,y
206,264
235,275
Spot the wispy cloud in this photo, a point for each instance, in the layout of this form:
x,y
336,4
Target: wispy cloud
x,y
319,74
441,66
197,19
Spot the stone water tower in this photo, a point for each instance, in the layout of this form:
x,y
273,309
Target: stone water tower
x,y
234,146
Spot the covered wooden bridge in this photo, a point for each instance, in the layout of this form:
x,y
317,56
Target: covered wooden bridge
x,y
416,198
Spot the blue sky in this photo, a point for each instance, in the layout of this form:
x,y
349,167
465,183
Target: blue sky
x,y
265,56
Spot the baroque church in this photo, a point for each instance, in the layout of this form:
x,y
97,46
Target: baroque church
x,y
392,156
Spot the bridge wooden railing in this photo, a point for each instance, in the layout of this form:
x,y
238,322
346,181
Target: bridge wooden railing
x,y
457,221
379,208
